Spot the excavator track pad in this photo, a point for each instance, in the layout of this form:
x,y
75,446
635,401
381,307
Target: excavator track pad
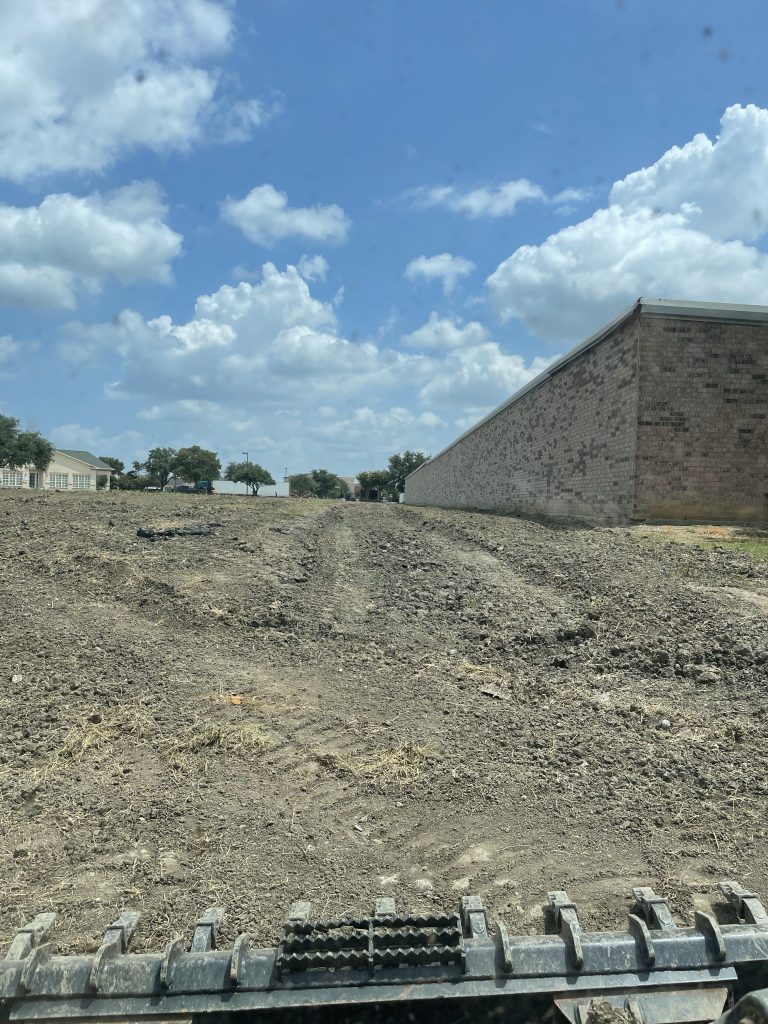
x,y
411,968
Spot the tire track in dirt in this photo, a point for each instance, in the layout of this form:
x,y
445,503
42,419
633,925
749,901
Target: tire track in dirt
x,y
485,640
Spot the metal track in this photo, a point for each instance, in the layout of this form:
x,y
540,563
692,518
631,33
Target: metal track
x,y
653,970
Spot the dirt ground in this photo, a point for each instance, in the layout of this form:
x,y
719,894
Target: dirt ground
x,y
334,701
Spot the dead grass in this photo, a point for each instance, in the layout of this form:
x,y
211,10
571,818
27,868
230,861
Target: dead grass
x,y
99,731
403,764
749,541
230,736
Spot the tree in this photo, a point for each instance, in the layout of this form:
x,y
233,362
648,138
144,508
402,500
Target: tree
x,y
117,483
378,480
401,465
117,464
250,473
302,484
328,484
23,447
196,464
159,465
133,479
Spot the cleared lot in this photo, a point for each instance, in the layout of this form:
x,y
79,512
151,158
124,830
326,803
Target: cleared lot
x,y
333,701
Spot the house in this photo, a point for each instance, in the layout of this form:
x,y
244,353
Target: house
x,y
70,470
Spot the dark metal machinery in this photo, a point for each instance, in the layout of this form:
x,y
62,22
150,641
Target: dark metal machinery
x,y
388,967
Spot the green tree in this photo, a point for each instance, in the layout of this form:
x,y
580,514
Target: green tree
x,y
159,465
250,473
376,480
401,465
302,484
118,468
328,484
117,464
196,464
23,447
133,479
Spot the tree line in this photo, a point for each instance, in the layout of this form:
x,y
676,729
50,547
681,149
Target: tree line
x,y
191,464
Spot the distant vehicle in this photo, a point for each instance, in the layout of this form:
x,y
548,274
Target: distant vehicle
x,y
204,487
151,488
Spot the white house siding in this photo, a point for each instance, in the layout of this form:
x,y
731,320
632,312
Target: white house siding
x,y
63,474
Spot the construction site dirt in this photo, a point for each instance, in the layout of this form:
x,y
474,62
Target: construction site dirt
x,y
333,701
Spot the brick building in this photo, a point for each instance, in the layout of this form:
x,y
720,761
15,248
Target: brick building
x,y
662,414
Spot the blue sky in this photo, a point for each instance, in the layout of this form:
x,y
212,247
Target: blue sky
x,y
326,232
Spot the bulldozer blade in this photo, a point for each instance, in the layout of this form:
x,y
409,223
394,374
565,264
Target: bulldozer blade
x,y
398,967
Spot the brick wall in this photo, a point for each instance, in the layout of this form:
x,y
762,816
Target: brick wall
x,y
567,448
702,435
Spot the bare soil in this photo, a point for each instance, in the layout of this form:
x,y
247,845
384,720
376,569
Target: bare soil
x,y
334,701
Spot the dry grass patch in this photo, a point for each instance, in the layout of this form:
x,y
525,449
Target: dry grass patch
x,y
99,731
403,764
229,736
750,541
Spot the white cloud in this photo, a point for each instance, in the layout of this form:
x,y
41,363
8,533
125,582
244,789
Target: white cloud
x,y
191,407
431,419
383,429
676,229
36,287
485,201
235,122
265,217
267,341
313,268
446,333
84,81
472,415
482,375
97,441
572,195
443,267
48,252
720,187
9,349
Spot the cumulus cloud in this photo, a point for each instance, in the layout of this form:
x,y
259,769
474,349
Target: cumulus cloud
x,y
484,201
677,229
68,242
82,83
443,267
313,268
265,217
446,333
474,370
251,342
720,187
